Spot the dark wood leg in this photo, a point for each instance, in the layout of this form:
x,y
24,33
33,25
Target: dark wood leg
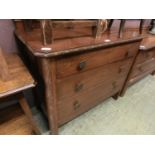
x,y
110,23
24,105
48,68
121,28
141,26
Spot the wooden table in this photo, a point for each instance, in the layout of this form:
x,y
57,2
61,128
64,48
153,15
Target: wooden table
x,y
14,80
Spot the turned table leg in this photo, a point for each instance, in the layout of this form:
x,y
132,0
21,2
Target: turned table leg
x,y
48,69
24,105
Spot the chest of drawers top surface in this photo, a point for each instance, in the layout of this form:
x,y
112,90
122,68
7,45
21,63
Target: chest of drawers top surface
x,y
74,45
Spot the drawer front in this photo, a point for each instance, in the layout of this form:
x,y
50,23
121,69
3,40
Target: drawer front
x,y
98,84
78,63
71,107
82,82
148,65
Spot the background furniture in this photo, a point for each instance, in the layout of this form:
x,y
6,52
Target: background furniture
x,y
14,79
144,62
122,25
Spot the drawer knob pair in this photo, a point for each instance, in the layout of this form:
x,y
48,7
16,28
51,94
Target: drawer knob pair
x,y
78,87
76,105
81,65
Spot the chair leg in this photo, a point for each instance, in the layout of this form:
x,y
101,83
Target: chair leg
x,y
110,23
24,105
141,26
121,28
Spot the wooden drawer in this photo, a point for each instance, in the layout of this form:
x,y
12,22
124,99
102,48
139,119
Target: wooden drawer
x,y
98,84
84,81
75,64
148,65
71,107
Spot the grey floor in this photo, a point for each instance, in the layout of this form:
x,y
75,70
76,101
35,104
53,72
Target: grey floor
x,y
132,114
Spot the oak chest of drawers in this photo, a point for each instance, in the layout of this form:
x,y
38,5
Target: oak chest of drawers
x,y
78,73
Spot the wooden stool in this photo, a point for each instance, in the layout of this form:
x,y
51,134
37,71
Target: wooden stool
x,y
14,79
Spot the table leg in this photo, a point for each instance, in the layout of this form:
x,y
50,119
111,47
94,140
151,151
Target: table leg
x,y
24,105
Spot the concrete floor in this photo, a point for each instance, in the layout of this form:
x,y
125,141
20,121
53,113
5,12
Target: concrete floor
x,y
132,114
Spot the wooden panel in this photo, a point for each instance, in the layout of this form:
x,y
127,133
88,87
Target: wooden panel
x,y
81,82
78,63
99,84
